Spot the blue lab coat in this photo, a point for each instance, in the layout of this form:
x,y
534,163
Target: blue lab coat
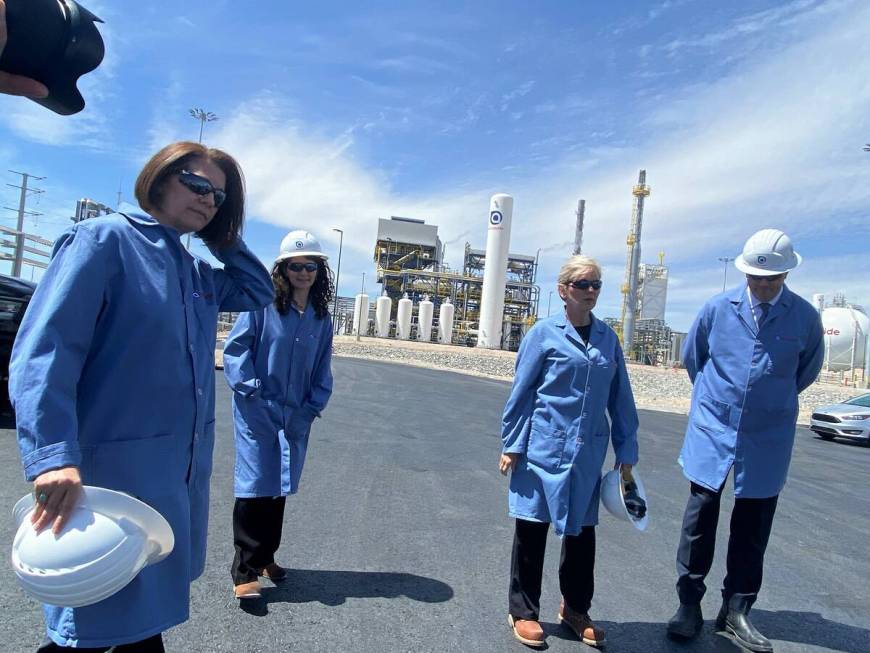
x,y
556,417
279,368
746,386
113,371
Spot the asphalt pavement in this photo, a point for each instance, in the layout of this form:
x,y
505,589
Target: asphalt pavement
x,y
399,538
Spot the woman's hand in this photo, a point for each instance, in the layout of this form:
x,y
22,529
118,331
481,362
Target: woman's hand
x,y
625,472
508,461
56,493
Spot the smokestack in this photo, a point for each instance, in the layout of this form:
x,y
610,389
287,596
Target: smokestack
x,y
578,234
632,265
498,238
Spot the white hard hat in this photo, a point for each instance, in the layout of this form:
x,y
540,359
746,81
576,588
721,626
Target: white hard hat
x,y
767,253
108,539
614,502
300,243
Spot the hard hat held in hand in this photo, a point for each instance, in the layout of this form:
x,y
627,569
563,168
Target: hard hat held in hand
x,y
616,493
767,253
108,539
300,243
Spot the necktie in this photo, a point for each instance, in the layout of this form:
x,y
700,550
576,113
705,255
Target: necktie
x,y
765,307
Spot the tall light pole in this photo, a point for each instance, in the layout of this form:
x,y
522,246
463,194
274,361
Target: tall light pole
x,y
203,116
549,297
726,260
337,274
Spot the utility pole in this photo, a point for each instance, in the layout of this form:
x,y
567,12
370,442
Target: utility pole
x,y
22,211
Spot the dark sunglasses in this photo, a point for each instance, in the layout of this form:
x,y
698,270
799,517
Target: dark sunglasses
x,y
585,284
201,186
298,267
760,277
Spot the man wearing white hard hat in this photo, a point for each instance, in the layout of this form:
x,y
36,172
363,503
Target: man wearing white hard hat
x,y
749,353
277,361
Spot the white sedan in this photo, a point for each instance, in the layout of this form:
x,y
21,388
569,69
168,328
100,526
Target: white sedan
x,y
850,419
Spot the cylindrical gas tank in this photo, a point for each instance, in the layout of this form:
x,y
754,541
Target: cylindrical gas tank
x,y
383,307
846,332
445,322
498,238
403,318
425,311
360,314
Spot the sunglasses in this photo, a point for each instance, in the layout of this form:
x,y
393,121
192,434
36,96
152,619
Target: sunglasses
x,y
585,284
298,267
201,186
759,277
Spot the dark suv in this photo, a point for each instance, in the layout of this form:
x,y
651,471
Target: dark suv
x,y
15,294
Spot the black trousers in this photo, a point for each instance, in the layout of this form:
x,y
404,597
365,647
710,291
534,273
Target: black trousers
x,y
257,526
576,569
751,522
153,644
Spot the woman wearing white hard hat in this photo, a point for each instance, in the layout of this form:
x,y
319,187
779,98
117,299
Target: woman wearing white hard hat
x,y
112,378
570,375
277,361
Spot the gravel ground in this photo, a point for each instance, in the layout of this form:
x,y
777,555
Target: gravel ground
x,y
655,388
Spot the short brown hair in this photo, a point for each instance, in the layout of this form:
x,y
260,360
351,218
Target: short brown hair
x,y
226,226
575,265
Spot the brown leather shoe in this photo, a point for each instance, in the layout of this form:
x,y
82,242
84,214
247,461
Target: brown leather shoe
x,y
527,631
274,572
582,626
248,590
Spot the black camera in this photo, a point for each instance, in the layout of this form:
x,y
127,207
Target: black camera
x,y
54,42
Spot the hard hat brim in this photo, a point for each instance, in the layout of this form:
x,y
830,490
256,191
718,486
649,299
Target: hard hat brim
x,y
286,255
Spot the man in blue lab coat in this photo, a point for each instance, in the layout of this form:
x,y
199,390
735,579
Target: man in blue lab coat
x,y
750,352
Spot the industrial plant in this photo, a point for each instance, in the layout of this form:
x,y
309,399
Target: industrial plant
x,y
490,306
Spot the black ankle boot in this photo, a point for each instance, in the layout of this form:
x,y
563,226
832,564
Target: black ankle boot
x,y
687,622
734,620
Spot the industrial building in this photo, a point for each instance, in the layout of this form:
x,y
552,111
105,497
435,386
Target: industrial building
x,y
408,257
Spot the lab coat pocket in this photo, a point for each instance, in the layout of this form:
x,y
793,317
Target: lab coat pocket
x,y
546,446
712,415
259,417
299,424
144,467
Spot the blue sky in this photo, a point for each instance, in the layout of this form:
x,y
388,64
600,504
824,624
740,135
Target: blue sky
x,y
745,115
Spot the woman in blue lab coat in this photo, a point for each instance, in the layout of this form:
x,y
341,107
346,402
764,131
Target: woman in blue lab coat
x,y
112,377
570,374
278,363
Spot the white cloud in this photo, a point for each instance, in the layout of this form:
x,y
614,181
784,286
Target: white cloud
x,y
776,143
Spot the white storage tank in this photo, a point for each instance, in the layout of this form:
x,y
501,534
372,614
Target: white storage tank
x,y
846,331
445,322
383,308
360,314
498,238
403,318
425,311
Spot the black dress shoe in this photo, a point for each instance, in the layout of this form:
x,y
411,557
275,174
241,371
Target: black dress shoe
x,y
687,622
736,623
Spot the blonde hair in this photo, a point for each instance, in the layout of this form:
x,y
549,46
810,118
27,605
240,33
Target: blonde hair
x,y
575,265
